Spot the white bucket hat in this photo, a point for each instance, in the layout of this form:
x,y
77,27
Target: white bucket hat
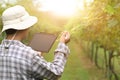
x,y
18,18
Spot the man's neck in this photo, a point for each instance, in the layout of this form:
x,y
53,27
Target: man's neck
x,y
9,37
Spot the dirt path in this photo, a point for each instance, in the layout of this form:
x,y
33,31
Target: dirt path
x,y
87,64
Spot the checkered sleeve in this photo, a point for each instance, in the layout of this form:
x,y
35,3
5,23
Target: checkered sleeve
x,y
51,70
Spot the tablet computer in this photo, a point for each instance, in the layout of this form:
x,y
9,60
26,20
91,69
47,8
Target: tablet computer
x,y
42,42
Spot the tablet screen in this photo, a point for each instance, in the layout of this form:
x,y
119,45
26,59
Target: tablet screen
x,y
42,42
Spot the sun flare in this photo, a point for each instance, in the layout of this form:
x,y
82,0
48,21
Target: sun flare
x,y
61,7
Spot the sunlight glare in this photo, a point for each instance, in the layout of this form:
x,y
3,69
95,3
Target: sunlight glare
x,y
60,7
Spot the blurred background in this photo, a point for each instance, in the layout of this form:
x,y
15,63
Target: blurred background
x,y
94,26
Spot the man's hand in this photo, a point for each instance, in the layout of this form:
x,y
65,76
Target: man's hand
x,y
65,37
40,53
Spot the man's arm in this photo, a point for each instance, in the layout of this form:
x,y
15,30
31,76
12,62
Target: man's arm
x,y
51,70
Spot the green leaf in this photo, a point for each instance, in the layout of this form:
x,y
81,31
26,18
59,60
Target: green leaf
x,y
112,23
110,9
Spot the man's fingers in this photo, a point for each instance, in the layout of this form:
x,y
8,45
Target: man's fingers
x,y
65,37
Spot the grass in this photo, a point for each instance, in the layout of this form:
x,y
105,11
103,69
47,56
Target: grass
x,y
79,66
74,70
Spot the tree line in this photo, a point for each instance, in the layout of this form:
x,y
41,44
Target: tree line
x,y
99,26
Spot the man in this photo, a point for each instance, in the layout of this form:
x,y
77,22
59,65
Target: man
x,y
20,62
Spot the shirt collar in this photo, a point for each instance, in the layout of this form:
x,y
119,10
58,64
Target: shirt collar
x,y
13,42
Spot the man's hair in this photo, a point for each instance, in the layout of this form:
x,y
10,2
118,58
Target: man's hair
x,y
10,31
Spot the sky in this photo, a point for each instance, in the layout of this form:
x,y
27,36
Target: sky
x,y
58,7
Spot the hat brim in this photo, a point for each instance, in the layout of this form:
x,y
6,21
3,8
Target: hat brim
x,y
22,25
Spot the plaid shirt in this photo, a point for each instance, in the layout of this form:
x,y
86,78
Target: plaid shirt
x,y
20,62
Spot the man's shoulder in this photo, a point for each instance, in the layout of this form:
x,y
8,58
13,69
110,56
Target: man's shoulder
x,y
27,49
21,49
18,49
